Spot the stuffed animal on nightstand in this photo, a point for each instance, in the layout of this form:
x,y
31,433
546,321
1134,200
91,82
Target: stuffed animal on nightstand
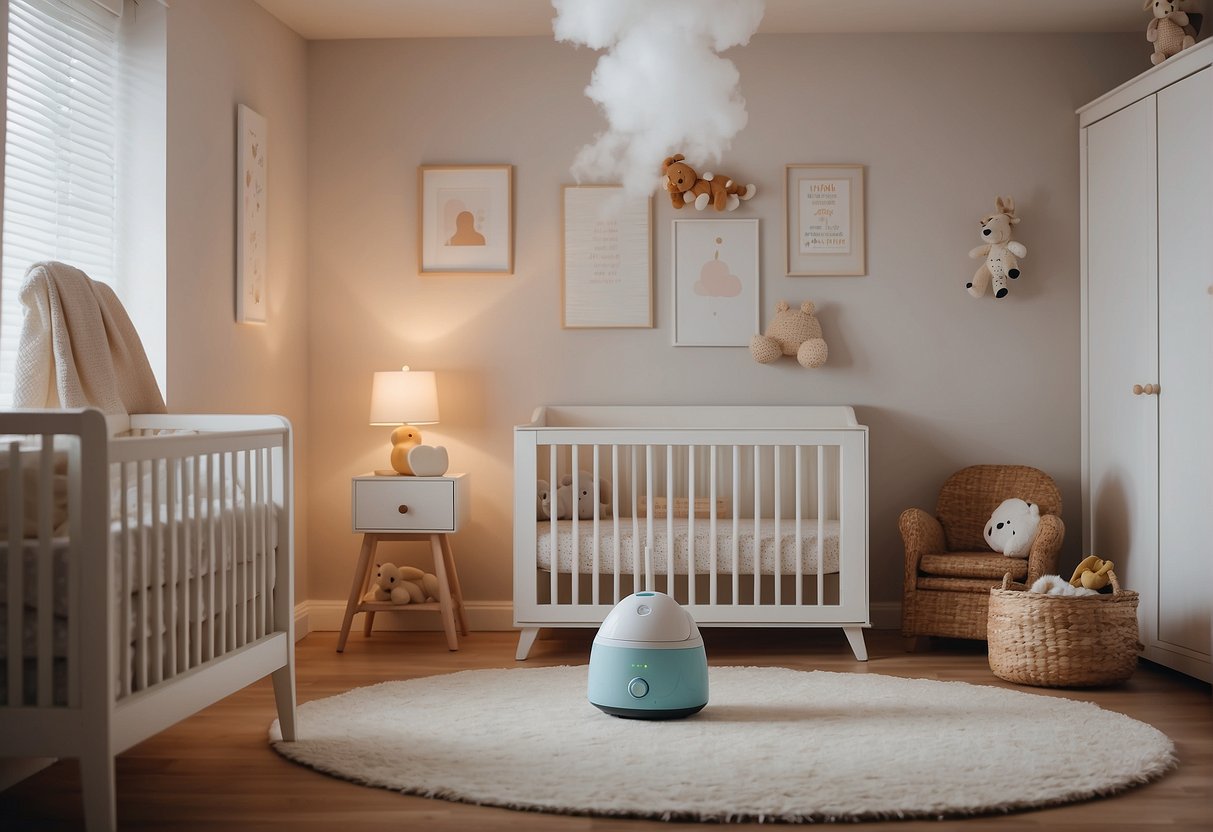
x,y
1000,251
402,585
1170,30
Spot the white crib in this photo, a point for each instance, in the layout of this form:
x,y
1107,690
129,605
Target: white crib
x,y
751,516
146,573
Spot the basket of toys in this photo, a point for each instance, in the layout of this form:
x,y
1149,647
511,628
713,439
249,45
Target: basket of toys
x,y
1062,640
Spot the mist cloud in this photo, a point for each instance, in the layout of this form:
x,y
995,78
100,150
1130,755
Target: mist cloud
x,y
661,84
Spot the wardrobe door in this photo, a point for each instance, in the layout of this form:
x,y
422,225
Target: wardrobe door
x,y
1185,364
1121,345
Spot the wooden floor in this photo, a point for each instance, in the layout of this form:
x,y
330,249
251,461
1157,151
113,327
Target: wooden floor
x,y
216,770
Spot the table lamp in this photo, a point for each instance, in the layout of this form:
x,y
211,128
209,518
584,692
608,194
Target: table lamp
x,y
406,398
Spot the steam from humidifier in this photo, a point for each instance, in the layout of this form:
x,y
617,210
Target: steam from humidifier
x,y
661,82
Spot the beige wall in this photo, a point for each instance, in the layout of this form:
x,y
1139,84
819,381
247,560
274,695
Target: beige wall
x,y
222,53
943,124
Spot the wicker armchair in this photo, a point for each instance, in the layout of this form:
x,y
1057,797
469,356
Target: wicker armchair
x,y
949,567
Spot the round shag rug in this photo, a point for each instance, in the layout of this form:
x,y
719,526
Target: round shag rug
x,y
772,744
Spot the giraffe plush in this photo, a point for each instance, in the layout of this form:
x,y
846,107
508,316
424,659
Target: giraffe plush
x,y
1000,251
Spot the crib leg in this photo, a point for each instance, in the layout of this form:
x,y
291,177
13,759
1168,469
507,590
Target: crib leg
x,y
97,786
526,639
855,638
284,697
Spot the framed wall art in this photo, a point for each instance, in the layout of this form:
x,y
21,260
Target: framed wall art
x,y
824,220
608,258
251,169
715,282
466,219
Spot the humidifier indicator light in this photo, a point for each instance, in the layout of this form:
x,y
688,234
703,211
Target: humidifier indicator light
x,y
644,609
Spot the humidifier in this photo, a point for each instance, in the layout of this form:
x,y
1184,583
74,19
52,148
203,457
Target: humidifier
x,y
648,661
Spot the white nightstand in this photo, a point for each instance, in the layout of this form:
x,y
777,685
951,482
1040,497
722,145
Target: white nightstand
x,y
408,508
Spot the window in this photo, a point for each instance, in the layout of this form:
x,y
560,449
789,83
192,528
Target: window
x,y
60,177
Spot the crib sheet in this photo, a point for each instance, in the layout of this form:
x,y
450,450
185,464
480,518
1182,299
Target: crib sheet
x,y
631,546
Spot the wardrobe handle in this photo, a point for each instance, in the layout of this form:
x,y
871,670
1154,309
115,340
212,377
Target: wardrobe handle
x,y
1148,389
403,509
1138,389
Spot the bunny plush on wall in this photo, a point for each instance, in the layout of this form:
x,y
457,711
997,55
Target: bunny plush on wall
x,y
1000,251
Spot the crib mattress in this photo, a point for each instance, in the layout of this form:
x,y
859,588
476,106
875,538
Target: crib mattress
x,y
576,552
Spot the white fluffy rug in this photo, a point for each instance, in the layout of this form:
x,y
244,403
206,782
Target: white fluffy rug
x,y
772,744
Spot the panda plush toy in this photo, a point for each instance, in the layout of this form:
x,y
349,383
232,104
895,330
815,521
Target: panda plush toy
x,y
1013,527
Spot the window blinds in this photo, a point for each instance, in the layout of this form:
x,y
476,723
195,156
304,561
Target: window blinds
x,y
59,166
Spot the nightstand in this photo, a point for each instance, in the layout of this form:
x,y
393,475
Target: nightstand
x,y
408,508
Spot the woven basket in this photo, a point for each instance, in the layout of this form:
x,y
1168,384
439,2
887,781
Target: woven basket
x,y
1062,641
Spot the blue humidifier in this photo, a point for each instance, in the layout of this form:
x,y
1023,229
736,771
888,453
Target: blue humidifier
x,y
648,660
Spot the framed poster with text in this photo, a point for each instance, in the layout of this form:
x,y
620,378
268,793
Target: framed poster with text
x,y
824,220
608,258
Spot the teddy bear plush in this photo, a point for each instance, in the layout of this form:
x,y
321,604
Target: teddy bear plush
x,y
543,500
402,585
585,497
686,186
1092,573
1000,251
1013,527
792,332
1170,30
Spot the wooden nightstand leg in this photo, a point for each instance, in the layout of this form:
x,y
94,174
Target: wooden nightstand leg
x,y
368,618
444,592
453,576
361,572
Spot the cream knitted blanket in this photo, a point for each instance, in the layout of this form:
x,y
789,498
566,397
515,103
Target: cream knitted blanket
x,y
78,348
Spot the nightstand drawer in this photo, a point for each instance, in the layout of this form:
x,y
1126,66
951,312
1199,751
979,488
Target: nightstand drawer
x,y
404,504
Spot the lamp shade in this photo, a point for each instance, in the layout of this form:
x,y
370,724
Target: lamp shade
x,y
404,397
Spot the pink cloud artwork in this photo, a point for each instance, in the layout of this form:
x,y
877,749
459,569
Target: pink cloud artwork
x,y
716,281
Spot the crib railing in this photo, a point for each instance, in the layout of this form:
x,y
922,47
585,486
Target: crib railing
x,y
762,484
135,559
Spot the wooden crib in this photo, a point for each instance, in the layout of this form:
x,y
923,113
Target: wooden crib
x,y
145,573
748,516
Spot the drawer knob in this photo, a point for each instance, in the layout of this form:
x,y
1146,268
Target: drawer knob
x,y
403,509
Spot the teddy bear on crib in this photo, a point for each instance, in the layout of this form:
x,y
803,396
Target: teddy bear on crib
x,y
1000,251
402,585
1170,30
685,186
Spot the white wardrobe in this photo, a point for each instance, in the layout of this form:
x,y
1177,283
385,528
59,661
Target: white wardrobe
x,y
1146,152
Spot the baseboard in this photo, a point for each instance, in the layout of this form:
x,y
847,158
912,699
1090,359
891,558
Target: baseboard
x,y
485,616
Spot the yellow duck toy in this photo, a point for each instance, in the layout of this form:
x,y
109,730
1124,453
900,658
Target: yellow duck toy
x,y
1092,573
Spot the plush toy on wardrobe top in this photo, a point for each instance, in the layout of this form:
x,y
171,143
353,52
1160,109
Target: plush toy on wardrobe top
x,y
686,186
1000,251
1170,30
585,497
402,585
794,332
1092,573
1013,527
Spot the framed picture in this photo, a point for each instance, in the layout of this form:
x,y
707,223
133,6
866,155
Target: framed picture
x,y
251,278
824,227
608,258
467,219
715,282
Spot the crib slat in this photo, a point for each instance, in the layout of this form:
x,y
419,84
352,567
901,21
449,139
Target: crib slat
x,y
799,534
247,533
271,566
635,525
712,515
212,648
141,635
223,555
574,512
126,589
176,650
615,522
262,490
166,621
196,557
778,537
735,598
553,540
16,580
691,451
757,526
648,537
157,541
45,572
597,523
669,519
821,533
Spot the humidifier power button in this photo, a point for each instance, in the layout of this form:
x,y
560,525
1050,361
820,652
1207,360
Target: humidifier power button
x,y
638,687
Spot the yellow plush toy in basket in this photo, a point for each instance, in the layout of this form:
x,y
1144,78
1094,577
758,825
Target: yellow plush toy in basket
x,y
1062,641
